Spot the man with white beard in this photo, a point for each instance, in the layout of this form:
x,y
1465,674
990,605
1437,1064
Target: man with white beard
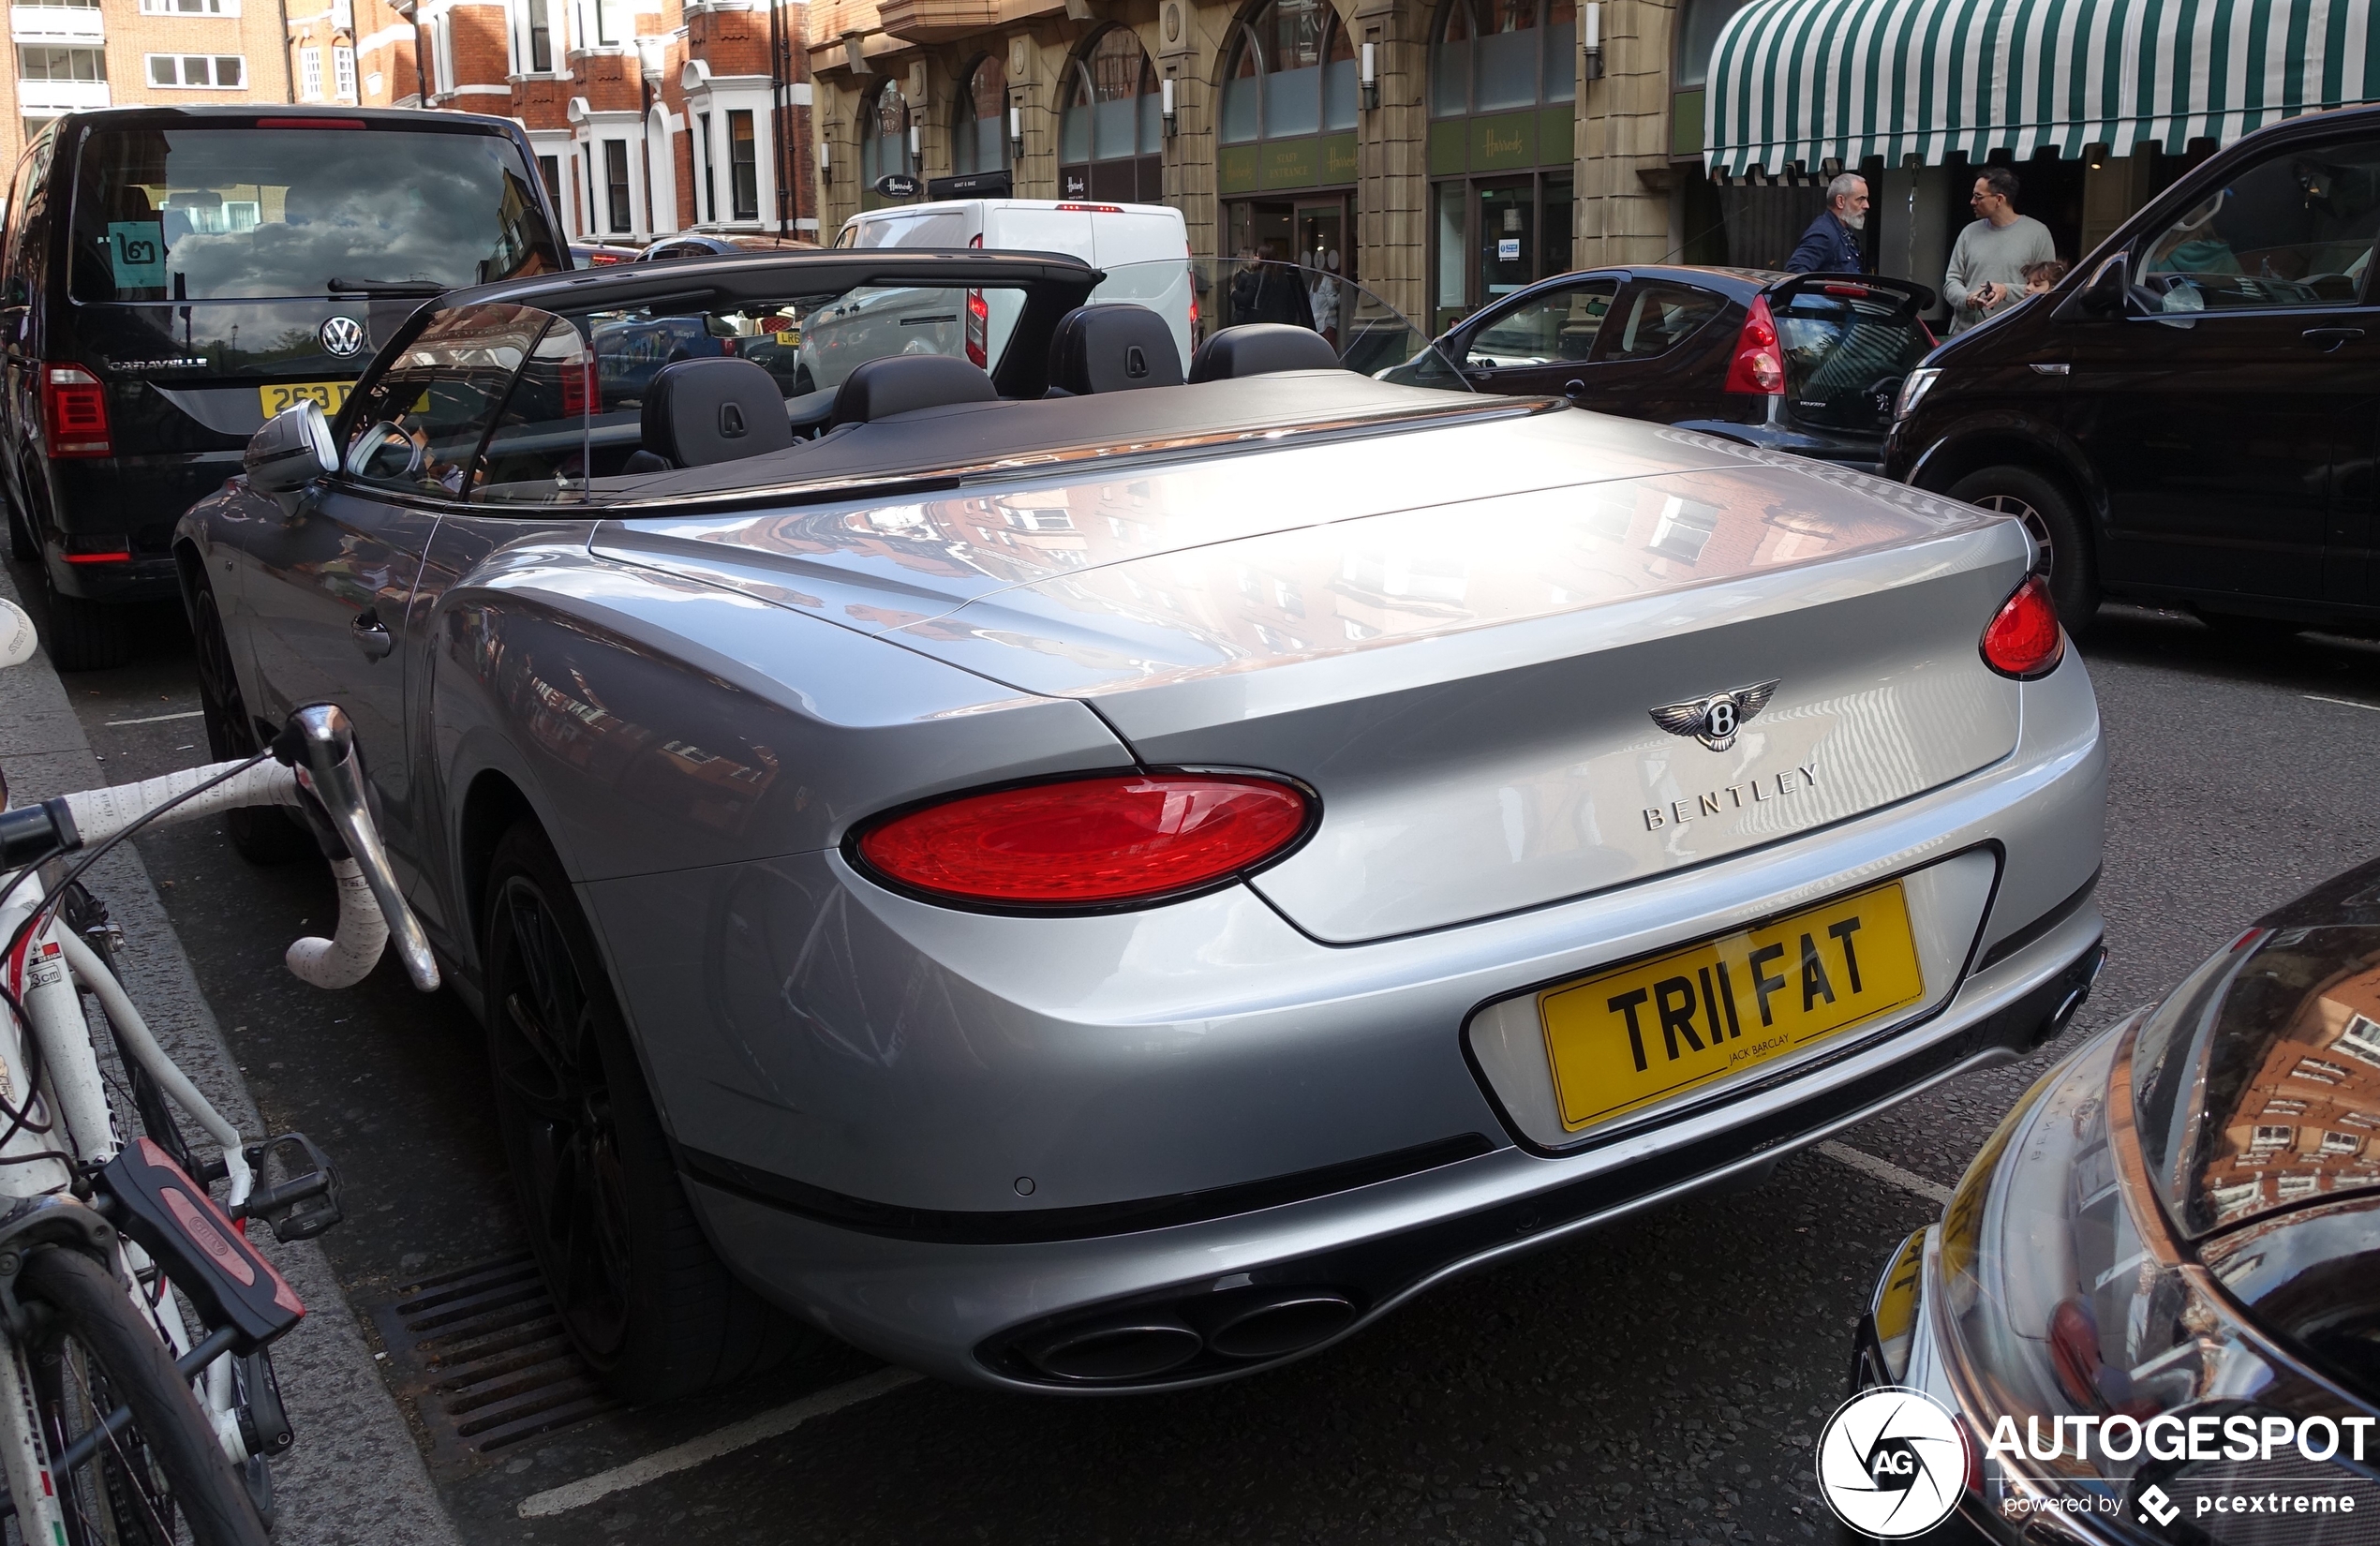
x,y
1831,245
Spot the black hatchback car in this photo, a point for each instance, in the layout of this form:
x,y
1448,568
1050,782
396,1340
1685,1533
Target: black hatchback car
x,y
173,277
1810,363
2194,416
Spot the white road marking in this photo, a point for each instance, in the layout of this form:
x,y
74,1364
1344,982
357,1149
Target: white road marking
x,y
727,1440
2343,703
1885,1171
159,719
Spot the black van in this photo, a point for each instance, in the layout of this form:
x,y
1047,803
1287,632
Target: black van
x,y
173,277
2194,416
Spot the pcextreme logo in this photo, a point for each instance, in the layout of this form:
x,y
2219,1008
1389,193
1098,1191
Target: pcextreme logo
x,y
1892,1462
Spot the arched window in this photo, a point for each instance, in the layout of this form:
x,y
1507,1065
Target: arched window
x,y
1292,72
1111,137
979,141
1501,55
883,136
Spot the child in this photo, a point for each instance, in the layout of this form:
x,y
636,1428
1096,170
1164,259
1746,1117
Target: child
x,y
2042,277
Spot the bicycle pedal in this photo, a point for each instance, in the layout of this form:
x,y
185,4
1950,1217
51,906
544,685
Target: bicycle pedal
x,y
304,1201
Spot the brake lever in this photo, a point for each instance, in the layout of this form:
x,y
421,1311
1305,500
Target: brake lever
x,y
322,736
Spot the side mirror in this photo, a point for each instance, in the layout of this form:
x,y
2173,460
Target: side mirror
x,y
292,451
2103,298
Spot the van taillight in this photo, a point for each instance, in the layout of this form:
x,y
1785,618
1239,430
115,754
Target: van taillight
x,y
74,413
582,389
1758,368
978,331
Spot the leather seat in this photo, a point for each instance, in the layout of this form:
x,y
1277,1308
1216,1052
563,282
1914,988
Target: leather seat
x,y
902,383
1112,348
1259,348
700,411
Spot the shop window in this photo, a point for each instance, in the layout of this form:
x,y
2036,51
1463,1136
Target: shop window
x,y
1110,135
980,138
883,136
1292,72
1500,55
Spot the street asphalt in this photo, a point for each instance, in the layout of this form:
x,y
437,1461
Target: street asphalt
x,y
1661,1380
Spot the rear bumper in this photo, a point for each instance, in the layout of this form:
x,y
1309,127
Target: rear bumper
x,y
980,1314
138,497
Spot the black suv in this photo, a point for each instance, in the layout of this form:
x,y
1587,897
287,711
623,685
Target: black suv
x,y
1810,363
2193,416
173,277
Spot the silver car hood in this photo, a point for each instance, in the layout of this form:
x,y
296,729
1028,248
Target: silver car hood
x,y
1456,635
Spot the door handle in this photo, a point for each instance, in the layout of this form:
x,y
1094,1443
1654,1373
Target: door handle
x,y
371,635
2331,338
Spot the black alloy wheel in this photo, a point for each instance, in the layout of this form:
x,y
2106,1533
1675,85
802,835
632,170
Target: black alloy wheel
x,y
259,834
2062,553
646,1302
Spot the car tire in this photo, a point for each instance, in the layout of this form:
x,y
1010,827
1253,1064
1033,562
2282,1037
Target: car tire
x,y
644,1299
2066,560
259,834
85,636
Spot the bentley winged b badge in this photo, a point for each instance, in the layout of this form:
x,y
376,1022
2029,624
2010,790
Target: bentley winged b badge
x,y
1714,721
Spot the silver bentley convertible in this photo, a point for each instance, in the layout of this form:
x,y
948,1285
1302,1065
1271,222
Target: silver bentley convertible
x,y
1073,868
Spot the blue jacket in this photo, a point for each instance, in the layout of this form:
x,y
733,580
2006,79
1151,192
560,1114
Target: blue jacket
x,y
1828,247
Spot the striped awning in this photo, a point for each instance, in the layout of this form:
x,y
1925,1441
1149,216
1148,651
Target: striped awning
x,y
1795,85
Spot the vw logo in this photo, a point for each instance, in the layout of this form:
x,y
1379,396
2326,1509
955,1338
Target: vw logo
x,y
342,335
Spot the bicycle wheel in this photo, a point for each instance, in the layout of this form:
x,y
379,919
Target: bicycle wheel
x,y
161,1479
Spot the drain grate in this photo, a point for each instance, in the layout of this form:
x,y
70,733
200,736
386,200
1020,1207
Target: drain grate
x,y
480,1353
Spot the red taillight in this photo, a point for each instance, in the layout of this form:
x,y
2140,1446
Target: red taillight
x,y
86,548
74,413
582,389
978,330
1089,843
1757,369
1194,294
2024,640
311,123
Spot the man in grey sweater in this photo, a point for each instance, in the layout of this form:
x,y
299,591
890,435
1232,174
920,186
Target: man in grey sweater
x,y
1987,264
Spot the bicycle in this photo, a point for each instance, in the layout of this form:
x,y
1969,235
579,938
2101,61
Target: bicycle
x,y
120,1420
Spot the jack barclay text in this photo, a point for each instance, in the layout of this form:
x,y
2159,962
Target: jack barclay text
x,y
1769,786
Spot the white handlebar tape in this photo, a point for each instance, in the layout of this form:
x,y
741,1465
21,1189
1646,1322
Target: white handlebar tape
x,y
349,955
101,813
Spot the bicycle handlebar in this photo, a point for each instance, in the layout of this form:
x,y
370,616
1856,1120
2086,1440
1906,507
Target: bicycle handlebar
x,y
322,735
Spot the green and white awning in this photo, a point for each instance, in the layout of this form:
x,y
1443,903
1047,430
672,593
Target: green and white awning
x,y
1797,83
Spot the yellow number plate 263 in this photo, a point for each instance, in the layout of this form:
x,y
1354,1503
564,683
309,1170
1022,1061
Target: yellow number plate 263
x,y
1643,1033
280,398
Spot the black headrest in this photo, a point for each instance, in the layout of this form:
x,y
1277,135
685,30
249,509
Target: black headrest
x,y
1259,349
701,412
899,384
1113,348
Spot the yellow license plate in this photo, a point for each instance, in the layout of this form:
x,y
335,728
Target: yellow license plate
x,y
283,397
790,337
1643,1033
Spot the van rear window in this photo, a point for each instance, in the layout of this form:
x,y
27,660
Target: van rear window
x,y
187,214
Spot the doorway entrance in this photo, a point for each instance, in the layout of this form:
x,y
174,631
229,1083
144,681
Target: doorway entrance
x,y
1311,231
1495,236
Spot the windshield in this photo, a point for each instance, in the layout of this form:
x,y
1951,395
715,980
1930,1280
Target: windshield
x,y
222,213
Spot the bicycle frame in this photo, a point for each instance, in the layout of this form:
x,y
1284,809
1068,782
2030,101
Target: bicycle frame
x,y
69,1131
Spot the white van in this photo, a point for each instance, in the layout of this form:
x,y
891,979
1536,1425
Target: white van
x,y
1144,248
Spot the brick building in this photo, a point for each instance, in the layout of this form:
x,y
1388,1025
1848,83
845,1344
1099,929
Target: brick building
x,y
103,52
647,117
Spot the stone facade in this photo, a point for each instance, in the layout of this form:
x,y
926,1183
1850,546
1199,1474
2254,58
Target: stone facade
x,y
1386,185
